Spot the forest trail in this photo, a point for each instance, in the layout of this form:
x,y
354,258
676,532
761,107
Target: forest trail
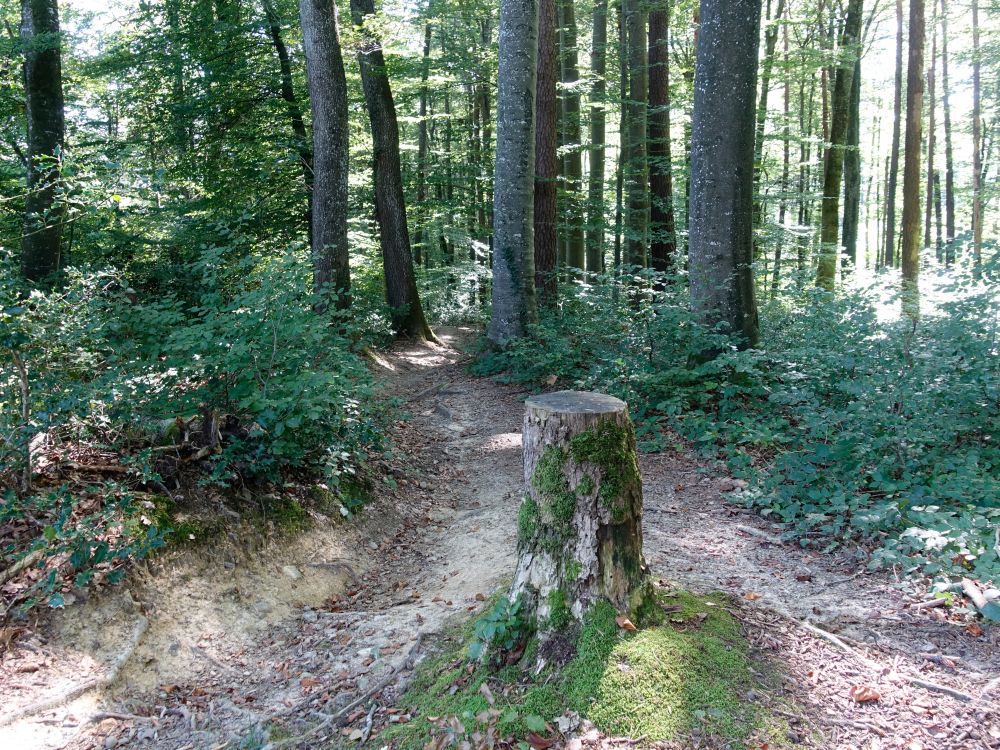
x,y
308,632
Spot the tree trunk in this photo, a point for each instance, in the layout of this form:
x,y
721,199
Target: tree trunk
x,y
546,160
573,161
889,250
328,100
595,191
931,141
663,240
41,238
514,304
939,239
291,103
770,41
400,284
910,255
949,167
580,523
852,172
833,162
423,148
977,143
721,228
786,137
636,166
622,139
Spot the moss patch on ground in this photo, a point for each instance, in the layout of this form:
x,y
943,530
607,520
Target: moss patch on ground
x,y
683,676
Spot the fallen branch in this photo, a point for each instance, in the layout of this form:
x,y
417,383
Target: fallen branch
x,y
974,593
70,694
25,562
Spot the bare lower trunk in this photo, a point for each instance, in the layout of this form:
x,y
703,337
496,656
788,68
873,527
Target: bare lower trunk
x,y
514,304
636,169
400,284
573,161
949,168
328,99
977,142
889,251
910,255
41,239
546,164
663,240
852,173
595,191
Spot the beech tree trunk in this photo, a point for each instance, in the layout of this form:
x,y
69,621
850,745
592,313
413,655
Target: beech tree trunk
x,y
514,304
910,253
291,103
580,522
573,161
931,140
889,250
41,238
328,100
721,223
770,41
546,160
977,143
595,189
394,237
949,167
423,149
833,163
636,168
852,173
663,240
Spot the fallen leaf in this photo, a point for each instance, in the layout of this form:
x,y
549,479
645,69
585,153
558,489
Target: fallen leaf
x,y
538,742
974,630
864,694
624,623
551,379
487,693
751,596
480,597
309,682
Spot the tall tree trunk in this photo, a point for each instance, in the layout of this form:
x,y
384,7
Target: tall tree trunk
x,y
910,254
949,167
663,239
291,102
400,284
546,161
573,161
598,92
328,99
622,139
833,162
423,148
770,41
721,229
931,140
180,123
41,238
786,137
636,165
889,249
939,238
852,172
977,143
514,304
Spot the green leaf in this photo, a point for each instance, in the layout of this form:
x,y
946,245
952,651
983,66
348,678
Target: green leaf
x,y
534,723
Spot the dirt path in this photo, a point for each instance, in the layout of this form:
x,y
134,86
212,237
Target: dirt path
x,y
302,633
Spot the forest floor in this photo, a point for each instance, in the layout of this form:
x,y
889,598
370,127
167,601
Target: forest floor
x,y
318,632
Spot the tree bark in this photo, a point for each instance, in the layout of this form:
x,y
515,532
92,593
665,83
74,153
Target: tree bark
x,y
852,173
514,304
423,146
598,92
910,254
390,209
328,100
889,249
931,140
977,143
291,102
721,224
41,239
833,162
770,41
580,523
663,239
573,160
949,167
636,173
546,160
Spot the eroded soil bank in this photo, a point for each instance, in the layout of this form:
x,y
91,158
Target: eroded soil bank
x,y
309,632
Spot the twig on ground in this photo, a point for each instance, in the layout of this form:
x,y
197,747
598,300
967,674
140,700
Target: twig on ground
x,y
25,562
102,715
369,720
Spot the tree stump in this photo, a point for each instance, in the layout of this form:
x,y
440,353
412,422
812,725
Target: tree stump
x,y
580,522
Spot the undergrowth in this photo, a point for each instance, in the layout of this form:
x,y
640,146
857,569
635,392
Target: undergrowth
x,y
847,428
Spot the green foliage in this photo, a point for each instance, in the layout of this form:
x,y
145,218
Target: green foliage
x,y
501,628
847,428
